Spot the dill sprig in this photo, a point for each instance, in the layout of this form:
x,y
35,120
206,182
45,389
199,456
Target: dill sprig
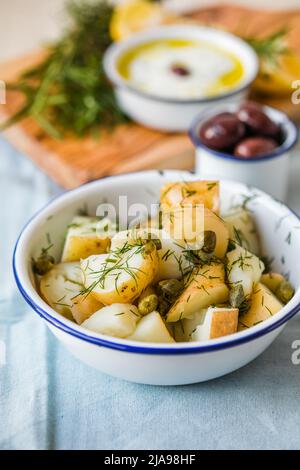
x,y
68,90
271,47
117,262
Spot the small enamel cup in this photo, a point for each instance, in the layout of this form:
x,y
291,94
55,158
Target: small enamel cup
x,y
268,172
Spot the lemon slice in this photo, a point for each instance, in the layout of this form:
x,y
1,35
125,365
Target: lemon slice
x,y
276,79
134,15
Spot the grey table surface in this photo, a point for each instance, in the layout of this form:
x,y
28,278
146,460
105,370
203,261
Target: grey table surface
x,y
49,400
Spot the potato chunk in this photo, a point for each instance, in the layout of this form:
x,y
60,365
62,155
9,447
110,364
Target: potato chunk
x,y
192,223
263,304
217,322
86,236
60,286
242,230
210,323
151,328
213,223
120,276
243,268
183,329
206,287
84,306
272,281
185,193
173,261
117,320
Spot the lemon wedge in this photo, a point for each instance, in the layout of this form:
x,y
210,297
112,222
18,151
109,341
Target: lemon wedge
x,y
135,15
276,78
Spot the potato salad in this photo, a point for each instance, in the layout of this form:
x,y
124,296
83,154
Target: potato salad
x,y
189,274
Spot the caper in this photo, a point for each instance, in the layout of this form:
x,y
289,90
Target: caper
x,y
148,304
147,291
210,241
236,296
284,292
43,264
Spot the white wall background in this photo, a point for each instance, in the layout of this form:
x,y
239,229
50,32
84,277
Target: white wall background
x,y
24,24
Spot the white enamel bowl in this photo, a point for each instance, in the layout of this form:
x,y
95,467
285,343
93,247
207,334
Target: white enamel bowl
x,y
169,114
160,364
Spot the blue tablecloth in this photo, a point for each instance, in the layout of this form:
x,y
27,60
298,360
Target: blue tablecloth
x,y
49,400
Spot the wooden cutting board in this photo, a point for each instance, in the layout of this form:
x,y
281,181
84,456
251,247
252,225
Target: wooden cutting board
x,y
71,161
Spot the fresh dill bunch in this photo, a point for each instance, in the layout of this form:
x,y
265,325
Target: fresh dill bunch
x,y
68,91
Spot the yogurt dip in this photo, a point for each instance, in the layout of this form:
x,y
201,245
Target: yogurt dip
x,y
181,69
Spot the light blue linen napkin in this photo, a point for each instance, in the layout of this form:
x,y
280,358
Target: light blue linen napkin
x,y
49,400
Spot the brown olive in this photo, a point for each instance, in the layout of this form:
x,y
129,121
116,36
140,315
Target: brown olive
x,y
222,131
254,147
257,121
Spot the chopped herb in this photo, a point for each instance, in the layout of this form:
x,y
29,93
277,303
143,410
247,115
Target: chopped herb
x,y
211,185
270,311
280,220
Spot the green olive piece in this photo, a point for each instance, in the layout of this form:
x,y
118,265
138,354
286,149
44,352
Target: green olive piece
x,y
169,289
148,304
210,241
149,247
236,296
43,264
163,306
198,257
284,292
157,243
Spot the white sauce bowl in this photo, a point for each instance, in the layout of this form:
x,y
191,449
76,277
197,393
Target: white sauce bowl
x,y
268,172
152,363
168,114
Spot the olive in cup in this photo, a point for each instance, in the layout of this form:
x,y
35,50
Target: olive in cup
x,y
254,146
256,120
222,131
247,133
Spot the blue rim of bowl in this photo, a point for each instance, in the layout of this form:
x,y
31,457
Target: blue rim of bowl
x,y
194,129
120,82
126,347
